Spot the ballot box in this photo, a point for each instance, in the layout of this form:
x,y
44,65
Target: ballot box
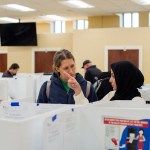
x,y
115,125
21,124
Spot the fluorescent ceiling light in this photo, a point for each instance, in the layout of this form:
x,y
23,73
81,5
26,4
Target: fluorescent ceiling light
x,y
52,17
7,19
77,4
142,2
119,14
19,7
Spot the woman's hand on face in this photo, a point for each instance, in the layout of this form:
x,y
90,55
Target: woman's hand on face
x,y
73,84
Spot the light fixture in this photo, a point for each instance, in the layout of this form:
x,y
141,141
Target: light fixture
x,y
77,4
142,2
7,19
18,7
52,17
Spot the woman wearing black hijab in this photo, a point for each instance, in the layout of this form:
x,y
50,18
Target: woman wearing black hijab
x,y
125,79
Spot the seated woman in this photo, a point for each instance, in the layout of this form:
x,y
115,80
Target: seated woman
x,y
125,79
67,86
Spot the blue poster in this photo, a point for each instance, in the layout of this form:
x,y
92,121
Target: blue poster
x,y
127,134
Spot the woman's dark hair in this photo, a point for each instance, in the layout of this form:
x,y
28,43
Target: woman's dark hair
x,y
14,66
141,130
60,56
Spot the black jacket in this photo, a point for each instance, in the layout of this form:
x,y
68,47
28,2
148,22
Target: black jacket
x,y
105,87
92,73
7,74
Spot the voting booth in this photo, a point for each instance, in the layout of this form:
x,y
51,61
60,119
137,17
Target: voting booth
x,y
21,124
21,88
24,88
114,125
101,126
61,131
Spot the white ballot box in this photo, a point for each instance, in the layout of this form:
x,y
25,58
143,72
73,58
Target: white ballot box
x,y
115,125
21,124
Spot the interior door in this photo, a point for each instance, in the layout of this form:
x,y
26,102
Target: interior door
x,y
3,62
118,55
44,61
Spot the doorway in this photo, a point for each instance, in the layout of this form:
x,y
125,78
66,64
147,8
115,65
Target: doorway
x,y
114,54
3,62
44,61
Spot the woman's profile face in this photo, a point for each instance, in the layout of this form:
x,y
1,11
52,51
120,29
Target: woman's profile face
x,y
67,65
113,81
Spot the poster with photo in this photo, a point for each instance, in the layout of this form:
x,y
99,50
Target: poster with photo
x,y
127,134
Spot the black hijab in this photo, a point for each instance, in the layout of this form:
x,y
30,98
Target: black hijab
x,y
128,78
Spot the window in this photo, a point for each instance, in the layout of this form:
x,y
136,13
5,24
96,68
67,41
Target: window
x,y
135,20
58,27
80,24
129,20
